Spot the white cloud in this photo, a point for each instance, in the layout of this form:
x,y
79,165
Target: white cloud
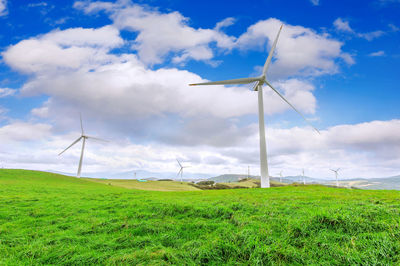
x,y
67,49
42,112
300,92
160,34
106,86
344,26
377,54
4,92
39,4
362,150
394,28
315,2
3,7
369,36
300,50
24,131
225,23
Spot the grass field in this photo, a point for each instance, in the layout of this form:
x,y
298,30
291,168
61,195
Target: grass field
x,y
52,219
148,185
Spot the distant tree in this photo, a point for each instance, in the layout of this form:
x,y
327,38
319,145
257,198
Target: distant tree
x,y
221,186
205,183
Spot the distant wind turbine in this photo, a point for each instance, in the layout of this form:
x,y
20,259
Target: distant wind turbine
x,y
84,138
181,169
280,176
258,83
336,174
304,178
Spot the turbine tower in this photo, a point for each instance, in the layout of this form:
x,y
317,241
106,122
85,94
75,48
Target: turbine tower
x,y
336,174
280,176
258,83
84,138
304,178
181,169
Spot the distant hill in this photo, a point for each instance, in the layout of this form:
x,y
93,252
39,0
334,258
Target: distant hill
x,y
230,178
140,174
285,179
392,182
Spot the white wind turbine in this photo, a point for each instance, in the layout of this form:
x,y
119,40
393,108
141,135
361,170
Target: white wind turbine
x,y
336,174
181,169
280,176
84,138
304,178
258,83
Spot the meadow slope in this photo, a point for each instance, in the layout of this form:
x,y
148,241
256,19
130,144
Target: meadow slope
x,y
53,219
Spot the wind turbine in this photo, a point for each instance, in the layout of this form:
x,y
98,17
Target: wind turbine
x,y
280,176
304,178
181,169
84,138
258,83
336,174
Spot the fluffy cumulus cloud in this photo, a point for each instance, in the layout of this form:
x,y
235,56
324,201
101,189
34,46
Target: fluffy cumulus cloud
x,y
80,73
160,34
300,51
65,50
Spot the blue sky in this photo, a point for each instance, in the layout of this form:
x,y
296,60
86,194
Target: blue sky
x,y
125,66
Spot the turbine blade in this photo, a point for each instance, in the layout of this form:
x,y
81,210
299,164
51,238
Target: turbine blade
x,y
179,163
228,82
80,116
294,108
338,170
271,53
98,139
73,143
179,172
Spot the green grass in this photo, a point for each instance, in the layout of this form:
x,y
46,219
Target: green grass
x,y
52,219
252,183
148,185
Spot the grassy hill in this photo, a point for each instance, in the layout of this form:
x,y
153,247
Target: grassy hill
x,y
148,185
53,219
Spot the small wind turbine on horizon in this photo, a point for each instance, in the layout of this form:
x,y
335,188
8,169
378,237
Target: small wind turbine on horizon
x,y
84,138
181,169
258,83
280,176
304,178
336,174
